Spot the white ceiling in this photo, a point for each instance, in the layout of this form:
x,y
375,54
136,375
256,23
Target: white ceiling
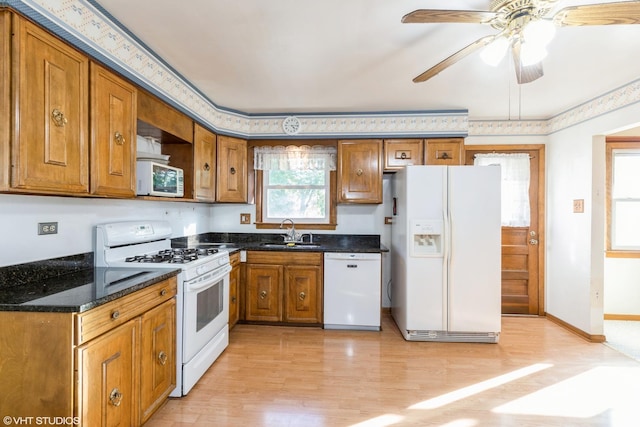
x,y
297,56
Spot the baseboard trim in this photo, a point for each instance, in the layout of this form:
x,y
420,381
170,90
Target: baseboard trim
x,y
579,332
622,317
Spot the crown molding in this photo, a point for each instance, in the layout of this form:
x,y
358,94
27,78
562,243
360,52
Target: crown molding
x,y
87,26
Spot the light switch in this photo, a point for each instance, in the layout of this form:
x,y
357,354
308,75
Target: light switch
x,y
245,218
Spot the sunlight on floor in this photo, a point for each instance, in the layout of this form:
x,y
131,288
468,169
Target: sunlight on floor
x,y
465,392
593,392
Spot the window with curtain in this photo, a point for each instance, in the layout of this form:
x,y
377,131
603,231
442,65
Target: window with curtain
x,y
296,183
516,211
624,202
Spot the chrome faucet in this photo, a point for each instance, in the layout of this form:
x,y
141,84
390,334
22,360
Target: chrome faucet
x,y
292,235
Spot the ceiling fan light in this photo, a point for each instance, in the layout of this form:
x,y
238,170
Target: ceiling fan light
x,y
532,53
493,53
539,32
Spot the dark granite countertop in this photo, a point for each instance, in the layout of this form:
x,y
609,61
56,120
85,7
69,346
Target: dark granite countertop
x,y
274,242
70,284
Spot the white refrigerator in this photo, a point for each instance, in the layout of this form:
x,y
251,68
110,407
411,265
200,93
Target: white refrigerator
x,y
446,253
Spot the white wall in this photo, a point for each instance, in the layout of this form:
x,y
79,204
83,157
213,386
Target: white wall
x,y
76,217
575,264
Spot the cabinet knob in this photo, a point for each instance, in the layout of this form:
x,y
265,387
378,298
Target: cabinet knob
x,y
119,138
115,397
403,155
233,299
163,292
263,294
58,117
115,315
207,167
232,170
445,156
162,358
302,296
359,172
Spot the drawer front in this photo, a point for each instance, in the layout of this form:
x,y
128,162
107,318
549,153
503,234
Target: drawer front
x,y
399,153
284,257
101,319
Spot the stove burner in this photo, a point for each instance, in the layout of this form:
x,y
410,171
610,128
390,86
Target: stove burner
x,y
172,256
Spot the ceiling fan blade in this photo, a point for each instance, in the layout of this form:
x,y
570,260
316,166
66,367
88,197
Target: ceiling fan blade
x,y
454,58
525,73
619,13
426,16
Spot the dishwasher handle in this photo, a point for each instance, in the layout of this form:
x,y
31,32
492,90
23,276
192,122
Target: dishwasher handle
x,y
351,256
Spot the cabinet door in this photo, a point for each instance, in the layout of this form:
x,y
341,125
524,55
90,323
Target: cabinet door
x,y
113,134
158,357
50,146
108,378
5,106
444,151
303,294
399,153
204,146
264,293
360,171
234,294
232,170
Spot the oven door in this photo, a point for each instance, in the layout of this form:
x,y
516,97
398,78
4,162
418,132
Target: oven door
x,y
206,310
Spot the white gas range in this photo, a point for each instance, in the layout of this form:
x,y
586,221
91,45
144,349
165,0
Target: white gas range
x,y
202,329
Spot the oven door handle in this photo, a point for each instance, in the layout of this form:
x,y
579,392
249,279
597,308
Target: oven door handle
x,y
204,282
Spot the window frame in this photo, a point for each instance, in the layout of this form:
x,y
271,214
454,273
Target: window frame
x,y
258,180
612,144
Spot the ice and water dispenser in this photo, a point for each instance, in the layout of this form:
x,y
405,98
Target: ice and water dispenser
x,y
426,237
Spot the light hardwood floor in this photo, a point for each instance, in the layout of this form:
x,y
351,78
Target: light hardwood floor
x,y
538,375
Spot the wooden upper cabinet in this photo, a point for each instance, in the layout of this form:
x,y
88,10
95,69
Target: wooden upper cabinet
x,y
5,106
444,151
113,134
402,152
360,171
50,142
204,164
231,170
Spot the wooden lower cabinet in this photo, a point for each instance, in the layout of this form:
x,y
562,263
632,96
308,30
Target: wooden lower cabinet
x,y
107,377
234,289
111,365
157,357
282,287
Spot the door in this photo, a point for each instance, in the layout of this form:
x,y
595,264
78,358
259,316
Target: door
x,y
231,180
303,294
360,171
204,143
264,292
522,247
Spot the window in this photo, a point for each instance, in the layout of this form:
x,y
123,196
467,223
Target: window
x,y
296,182
623,182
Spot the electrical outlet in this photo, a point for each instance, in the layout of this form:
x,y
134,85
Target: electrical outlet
x,y
578,206
388,220
245,218
47,228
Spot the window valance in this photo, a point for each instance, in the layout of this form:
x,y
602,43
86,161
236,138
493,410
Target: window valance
x,y
295,157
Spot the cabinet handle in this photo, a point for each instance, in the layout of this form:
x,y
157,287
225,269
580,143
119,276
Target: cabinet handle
x,y
302,296
163,292
359,172
233,299
162,358
207,167
115,397
115,315
119,138
403,156
445,156
232,170
263,294
58,117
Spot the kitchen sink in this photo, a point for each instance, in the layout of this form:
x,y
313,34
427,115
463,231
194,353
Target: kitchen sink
x,y
289,245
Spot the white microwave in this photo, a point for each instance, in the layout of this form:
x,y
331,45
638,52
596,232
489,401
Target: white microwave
x,y
156,179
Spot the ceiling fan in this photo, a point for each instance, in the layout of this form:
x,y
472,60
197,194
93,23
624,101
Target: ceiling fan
x,y
523,26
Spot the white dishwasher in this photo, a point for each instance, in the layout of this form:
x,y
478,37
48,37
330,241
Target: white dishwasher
x,y
352,290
